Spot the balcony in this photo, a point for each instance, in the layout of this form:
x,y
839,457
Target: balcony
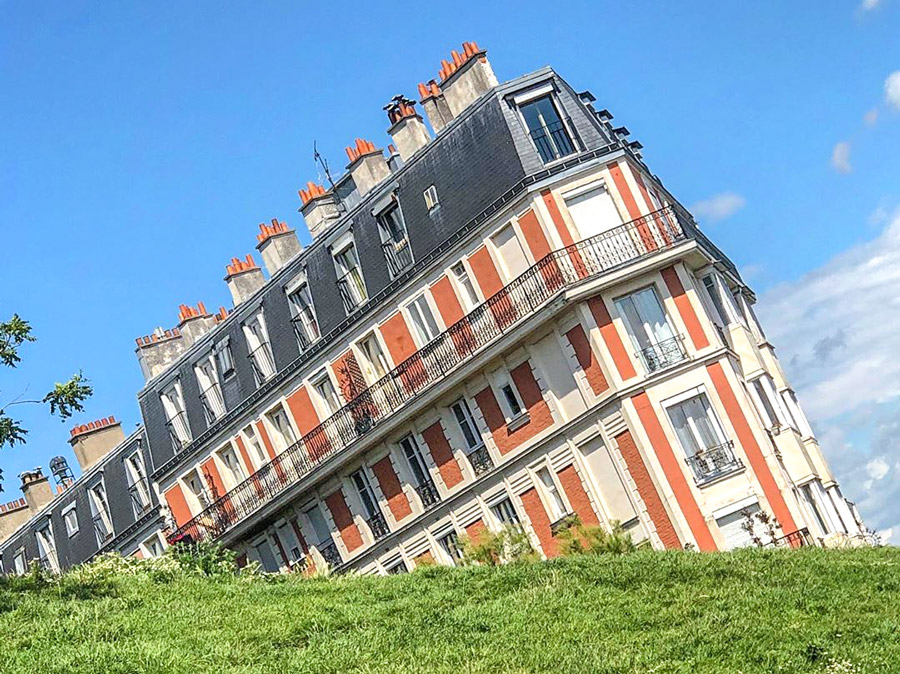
x,y
378,526
714,462
535,288
330,554
662,355
428,494
480,460
796,539
398,256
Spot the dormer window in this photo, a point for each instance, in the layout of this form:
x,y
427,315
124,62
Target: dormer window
x,y
210,389
103,529
303,315
47,548
138,486
176,417
547,128
349,275
394,241
260,349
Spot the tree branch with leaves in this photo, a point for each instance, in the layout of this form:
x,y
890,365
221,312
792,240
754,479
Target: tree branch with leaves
x,y
64,399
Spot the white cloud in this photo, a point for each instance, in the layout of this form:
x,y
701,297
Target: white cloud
x,y
718,207
892,89
837,330
871,117
840,157
868,5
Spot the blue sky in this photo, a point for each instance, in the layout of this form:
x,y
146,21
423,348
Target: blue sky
x,y
142,143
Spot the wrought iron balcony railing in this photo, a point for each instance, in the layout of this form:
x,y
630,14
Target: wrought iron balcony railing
x,y
555,140
101,529
714,462
480,460
398,256
663,354
262,362
302,332
213,403
140,497
796,539
428,493
331,555
556,272
378,526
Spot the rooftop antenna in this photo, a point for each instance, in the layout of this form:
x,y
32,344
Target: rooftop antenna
x,y
61,471
322,164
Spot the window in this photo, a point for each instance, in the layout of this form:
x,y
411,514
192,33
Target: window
x,y
318,525
512,256
138,486
450,545
366,493
431,198
763,403
701,438
70,520
153,546
260,350
303,315
649,330
326,393
350,278
176,417
47,548
557,507
210,391
396,568
424,324
813,505
224,360
466,290
289,542
510,401
20,564
594,212
100,516
424,484
234,469
373,356
265,556
197,488
506,513
256,447
546,128
721,299
283,434
467,426
394,241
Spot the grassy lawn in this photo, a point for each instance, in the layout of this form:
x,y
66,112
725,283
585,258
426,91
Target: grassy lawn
x,y
752,611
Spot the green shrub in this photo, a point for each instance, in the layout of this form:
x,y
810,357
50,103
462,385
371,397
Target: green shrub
x,y
492,548
576,538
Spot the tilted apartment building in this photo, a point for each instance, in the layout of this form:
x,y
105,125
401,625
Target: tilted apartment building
x,y
508,320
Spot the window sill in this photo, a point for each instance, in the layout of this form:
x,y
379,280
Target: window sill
x,y
719,477
517,422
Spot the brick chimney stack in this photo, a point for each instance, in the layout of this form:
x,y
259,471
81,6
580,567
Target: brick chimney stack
x,y
155,352
36,488
244,278
194,322
435,105
278,245
319,208
407,128
466,77
93,441
367,166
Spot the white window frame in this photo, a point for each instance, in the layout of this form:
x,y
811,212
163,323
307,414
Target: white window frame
x,y
494,506
431,198
136,476
715,422
172,400
259,347
367,488
64,513
224,359
100,507
20,561
463,284
233,475
281,437
201,499
469,419
533,94
207,373
321,401
254,442
146,546
552,493
415,449
46,544
371,367
421,331
455,555
307,321
501,379
359,293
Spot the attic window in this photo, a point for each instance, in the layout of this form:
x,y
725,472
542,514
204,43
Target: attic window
x,y
431,198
